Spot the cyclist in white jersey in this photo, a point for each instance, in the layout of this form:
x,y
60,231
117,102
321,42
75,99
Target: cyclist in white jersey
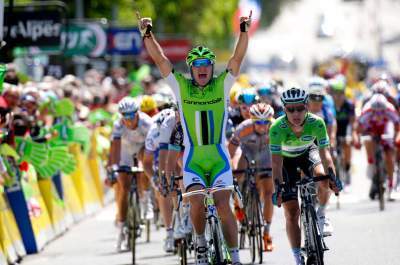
x,y
154,161
127,142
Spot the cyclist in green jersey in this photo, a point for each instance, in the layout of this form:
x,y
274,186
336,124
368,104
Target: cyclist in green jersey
x,y
299,139
203,104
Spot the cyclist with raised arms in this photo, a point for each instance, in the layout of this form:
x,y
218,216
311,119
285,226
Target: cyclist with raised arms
x,y
203,104
299,139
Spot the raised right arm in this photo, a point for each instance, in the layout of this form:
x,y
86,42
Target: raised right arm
x,y
154,48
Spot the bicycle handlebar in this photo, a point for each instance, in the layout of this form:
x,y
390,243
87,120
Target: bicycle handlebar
x,y
126,169
257,170
207,191
307,180
379,137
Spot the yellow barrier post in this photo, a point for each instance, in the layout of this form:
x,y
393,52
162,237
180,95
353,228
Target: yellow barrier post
x,y
3,258
39,215
5,239
54,205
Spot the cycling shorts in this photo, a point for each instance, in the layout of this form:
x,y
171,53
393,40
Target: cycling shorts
x,y
306,162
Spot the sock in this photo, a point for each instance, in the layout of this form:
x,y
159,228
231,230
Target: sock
x,y
267,227
170,232
321,210
200,240
234,252
297,256
186,207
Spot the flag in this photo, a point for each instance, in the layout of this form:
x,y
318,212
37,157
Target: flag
x,y
244,10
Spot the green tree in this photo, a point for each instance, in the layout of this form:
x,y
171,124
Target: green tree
x,y
203,21
271,9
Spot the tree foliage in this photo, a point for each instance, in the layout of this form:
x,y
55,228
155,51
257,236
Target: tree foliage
x,y
204,21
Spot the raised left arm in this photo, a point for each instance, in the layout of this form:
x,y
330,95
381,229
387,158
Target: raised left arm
x,y
241,46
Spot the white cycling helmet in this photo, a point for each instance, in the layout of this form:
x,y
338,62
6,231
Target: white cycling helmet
x,y
294,95
127,105
261,111
380,87
378,102
317,85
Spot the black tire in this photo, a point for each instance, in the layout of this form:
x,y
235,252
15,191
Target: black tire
x,y
182,252
259,231
244,227
133,225
218,256
315,238
242,235
381,187
380,180
255,230
156,219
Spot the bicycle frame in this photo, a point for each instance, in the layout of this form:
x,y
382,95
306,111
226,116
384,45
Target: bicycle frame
x,y
212,221
254,221
133,218
307,210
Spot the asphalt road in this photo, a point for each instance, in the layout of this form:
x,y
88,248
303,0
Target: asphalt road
x,y
363,235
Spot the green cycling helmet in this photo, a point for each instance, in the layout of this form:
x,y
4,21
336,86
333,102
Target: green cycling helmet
x,y
337,84
199,52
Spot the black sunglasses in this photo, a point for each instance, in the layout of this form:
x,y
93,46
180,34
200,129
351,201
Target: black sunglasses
x,y
297,109
318,98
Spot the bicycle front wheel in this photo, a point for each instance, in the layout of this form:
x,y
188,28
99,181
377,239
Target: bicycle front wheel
x,y
182,251
133,224
316,257
216,257
255,229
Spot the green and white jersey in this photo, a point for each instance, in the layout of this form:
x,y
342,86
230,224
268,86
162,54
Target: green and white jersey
x,y
283,140
203,111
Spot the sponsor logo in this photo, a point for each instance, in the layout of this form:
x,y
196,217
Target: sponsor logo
x,y
219,182
283,126
306,138
275,147
323,142
210,102
195,179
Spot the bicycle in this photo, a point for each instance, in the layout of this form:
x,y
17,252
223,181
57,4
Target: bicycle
x,y
379,174
133,222
379,177
314,244
340,166
185,244
254,221
218,253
